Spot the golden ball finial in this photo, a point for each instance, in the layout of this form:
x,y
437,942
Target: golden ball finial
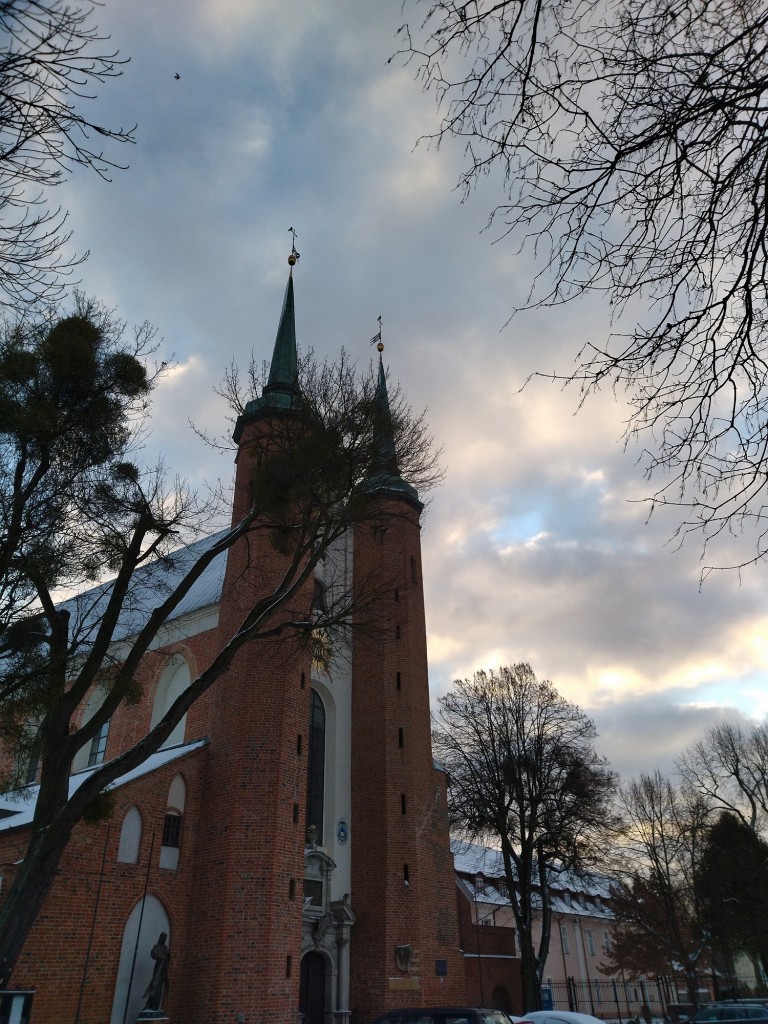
x,y
380,346
292,260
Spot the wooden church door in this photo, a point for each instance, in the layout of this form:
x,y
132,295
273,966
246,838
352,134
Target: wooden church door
x,y
312,993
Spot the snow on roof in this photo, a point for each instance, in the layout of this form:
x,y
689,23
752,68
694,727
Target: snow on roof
x,y
471,859
483,861
17,808
151,584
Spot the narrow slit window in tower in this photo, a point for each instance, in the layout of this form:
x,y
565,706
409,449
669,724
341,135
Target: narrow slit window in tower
x,y
316,767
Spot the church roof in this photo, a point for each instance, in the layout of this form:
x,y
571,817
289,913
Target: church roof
x,y
284,368
385,472
150,584
17,809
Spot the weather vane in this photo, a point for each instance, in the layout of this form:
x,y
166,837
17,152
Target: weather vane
x,y
293,259
376,339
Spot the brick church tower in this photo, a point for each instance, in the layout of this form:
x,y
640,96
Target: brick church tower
x,y
350,910
377,926
406,947
251,857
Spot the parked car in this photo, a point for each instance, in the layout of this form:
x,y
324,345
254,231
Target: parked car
x,y
561,1017
679,1013
443,1015
730,1013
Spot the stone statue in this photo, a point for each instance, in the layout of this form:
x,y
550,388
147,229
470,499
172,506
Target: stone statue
x,y
321,927
158,986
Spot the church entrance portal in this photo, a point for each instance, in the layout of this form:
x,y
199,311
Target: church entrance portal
x,y
312,993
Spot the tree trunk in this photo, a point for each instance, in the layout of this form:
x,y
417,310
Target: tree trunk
x,y
27,894
692,985
529,973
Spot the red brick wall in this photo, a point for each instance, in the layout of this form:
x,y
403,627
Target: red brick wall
x,y
247,949
491,961
398,799
55,960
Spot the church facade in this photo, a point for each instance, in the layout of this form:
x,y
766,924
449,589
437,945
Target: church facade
x,y
290,840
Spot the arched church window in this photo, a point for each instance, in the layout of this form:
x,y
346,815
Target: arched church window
x,y
92,752
98,745
319,603
316,769
33,764
130,838
174,816
172,829
173,682
28,755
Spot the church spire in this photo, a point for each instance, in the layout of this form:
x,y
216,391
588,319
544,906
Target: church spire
x,y
283,370
281,392
384,474
384,454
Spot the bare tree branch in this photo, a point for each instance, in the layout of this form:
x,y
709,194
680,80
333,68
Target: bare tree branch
x,y
51,61
631,142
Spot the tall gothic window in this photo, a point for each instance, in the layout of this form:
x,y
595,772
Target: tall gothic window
x,y
98,745
316,768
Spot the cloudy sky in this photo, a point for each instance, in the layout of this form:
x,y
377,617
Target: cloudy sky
x,y
536,547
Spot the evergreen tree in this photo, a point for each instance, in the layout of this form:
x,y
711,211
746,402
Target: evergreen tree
x,y
732,884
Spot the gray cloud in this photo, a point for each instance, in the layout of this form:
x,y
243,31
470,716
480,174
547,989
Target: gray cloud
x,y
290,114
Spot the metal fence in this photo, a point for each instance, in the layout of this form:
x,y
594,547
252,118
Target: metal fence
x,y
644,1001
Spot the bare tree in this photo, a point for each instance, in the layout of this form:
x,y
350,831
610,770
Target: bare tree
x,y
51,61
631,142
658,923
729,767
523,775
74,505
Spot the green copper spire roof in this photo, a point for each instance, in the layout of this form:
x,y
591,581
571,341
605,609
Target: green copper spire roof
x,y
281,392
283,370
385,472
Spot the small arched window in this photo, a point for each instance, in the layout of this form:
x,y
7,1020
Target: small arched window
x,y
172,829
319,603
92,752
173,682
172,823
98,745
28,754
130,838
33,762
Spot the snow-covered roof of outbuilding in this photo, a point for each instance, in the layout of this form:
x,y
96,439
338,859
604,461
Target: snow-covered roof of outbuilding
x,y
152,583
18,808
588,890
471,859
